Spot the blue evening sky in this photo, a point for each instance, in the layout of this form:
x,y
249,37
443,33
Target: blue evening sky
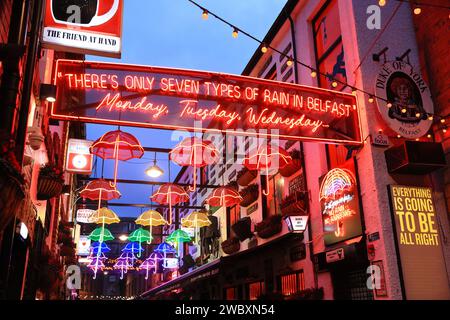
x,y
171,33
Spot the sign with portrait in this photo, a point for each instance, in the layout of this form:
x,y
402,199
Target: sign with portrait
x,y
339,203
404,87
176,99
84,26
419,243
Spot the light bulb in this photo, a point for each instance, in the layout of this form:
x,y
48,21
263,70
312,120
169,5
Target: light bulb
x,y
313,74
382,3
205,15
235,33
334,84
389,105
417,10
289,62
371,100
263,48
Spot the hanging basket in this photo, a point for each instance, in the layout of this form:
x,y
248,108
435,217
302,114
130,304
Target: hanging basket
x,y
245,176
294,205
48,187
269,227
291,168
249,195
12,192
231,245
242,228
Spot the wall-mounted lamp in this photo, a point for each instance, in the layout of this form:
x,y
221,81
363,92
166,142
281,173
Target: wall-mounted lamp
x,y
48,92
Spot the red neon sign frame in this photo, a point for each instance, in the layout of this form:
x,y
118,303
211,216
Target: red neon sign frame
x,y
165,98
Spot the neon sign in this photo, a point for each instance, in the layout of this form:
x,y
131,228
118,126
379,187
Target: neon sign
x,y
339,204
165,98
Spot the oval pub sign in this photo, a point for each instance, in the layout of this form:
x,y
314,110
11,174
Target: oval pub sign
x,y
400,84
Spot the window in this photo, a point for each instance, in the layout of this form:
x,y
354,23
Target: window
x,y
232,217
330,61
328,45
292,283
231,293
255,290
276,190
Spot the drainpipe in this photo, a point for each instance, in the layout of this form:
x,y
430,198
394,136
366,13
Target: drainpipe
x,y
35,32
10,82
302,154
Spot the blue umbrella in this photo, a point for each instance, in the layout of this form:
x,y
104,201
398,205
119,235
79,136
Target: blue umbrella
x,y
133,247
99,246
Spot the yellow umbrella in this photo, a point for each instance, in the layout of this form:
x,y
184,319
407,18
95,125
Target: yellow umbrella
x,y
196,219
151,218
105,215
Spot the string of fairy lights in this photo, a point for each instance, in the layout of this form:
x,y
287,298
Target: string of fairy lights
x,y
264,47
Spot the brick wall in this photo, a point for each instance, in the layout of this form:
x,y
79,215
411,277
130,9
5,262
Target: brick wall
x,y
433,38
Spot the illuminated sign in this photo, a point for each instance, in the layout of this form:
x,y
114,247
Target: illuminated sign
x,y
340,204
170,263
165,98
86,216
83,246
419,243
296,223
84,26
79,159
398,83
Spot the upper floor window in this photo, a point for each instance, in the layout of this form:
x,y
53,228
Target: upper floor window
x,y
273,200
328,45
255,290
330,61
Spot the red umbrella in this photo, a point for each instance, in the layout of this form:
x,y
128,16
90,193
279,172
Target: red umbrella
x,y
267,157
117,145
224,196
100,189
194,152
170,193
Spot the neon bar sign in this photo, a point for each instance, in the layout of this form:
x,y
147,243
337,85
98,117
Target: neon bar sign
x,y
166,98
339,204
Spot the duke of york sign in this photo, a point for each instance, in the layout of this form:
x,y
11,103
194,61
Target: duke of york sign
x,y
398,83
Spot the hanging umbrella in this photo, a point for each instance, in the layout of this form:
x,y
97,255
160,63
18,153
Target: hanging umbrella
x,y
96,263
266,158
101,233
195,219
194,152
148,264
224,197
165,249
171,194
100,189
99,247
151,218
132,248
117,145
177,237
124,262
140,235
106,216
151,262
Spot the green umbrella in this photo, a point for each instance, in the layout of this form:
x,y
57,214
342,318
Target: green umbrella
x,y
101,234
140,235
178,236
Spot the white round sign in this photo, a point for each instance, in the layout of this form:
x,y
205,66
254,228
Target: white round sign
x,y
398,83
